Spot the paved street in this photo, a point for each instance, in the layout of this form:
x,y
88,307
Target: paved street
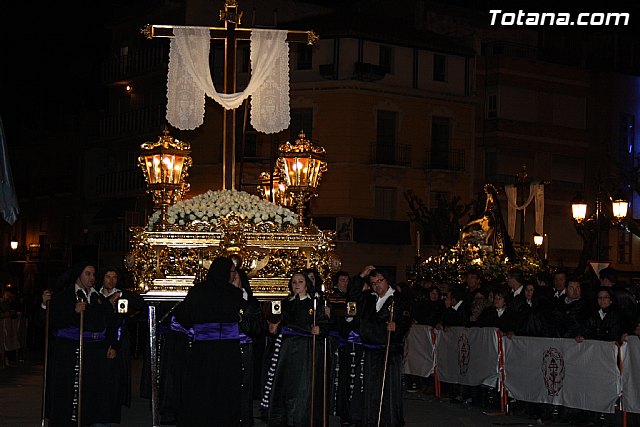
x,y
21,396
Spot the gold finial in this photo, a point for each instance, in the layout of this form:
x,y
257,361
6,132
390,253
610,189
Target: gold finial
x,y
147,31
312,38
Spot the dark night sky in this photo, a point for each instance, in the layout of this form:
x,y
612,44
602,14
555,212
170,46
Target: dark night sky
x,y
51,60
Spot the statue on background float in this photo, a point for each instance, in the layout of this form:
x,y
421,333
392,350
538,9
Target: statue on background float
x,y
490,226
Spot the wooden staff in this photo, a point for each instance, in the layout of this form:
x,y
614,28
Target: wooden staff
x,y
46,360
324,378
313,359
80,348
386,360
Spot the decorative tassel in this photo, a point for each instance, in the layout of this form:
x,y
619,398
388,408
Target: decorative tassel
x,y
271,373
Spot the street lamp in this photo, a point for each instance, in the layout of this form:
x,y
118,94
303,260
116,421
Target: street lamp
x,y
604,216
165,164
301,166
537,240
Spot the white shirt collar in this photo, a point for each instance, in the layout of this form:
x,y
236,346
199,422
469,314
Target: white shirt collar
x,y
91,291
500,311
381,300
602,314
301,298
517,292
559,294
457,306
109,292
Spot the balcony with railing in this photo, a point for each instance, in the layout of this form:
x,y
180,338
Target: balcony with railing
x,y
391,154
151,58
120,183
447,160
147,119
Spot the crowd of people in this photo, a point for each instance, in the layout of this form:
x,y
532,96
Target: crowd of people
x,y
549,305
338,352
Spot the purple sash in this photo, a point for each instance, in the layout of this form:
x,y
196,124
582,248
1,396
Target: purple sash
x,y
177,327
292,332
216,331
244,339
73,333
208,331
354,338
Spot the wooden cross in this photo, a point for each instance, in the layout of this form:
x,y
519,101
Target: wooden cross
x,y
230,33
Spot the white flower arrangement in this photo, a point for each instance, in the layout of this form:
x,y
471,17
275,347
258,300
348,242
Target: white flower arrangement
x,y
210,206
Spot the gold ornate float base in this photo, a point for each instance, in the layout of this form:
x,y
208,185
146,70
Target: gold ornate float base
x,y
165,264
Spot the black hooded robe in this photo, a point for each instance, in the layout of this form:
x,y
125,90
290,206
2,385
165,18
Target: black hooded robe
x,y
63,379
373,332
290,393
212,378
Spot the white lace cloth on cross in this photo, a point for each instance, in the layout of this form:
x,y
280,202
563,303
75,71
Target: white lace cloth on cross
x,y
189,80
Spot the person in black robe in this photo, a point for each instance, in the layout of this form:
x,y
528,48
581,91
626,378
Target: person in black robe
x,y
210,312
288,389
375,325
251,325
127,306
341,351
99,346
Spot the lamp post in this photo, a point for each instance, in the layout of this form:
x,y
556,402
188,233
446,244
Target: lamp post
x,y
165,164
537,240
604,216
301,166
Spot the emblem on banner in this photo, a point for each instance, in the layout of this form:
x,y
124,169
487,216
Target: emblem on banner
x,y
553,370
464,354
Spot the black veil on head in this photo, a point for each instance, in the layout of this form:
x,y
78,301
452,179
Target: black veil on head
x,y
310,290
219,271
78,268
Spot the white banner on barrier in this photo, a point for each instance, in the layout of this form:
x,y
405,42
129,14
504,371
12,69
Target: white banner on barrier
x,y
468,356
562,372
631,383
420,351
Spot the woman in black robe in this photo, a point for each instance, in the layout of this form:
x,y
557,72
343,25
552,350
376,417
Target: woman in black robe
x,y
99,346
127,306
288,389
211,384
251,325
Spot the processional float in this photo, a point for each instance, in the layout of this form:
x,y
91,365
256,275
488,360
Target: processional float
x,y
268,240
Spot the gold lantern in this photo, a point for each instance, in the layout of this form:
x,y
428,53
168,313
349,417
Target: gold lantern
x,y
301,166
165,164
274,189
